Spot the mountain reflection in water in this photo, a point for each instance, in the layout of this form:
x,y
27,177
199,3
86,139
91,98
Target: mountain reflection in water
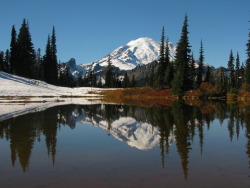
x,y
139,127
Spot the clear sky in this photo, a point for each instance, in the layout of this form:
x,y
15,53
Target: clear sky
x,y
88,30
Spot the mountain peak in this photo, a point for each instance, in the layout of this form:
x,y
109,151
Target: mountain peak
x,y
141,51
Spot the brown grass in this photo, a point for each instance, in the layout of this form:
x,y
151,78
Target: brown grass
x,y
142,96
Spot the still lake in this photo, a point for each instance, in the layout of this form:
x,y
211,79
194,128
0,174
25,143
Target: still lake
x,y
106,145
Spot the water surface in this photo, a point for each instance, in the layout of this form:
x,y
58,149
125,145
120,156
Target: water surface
x,y
127,146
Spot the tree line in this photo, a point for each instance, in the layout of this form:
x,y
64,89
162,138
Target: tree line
x,y
181,75
23,60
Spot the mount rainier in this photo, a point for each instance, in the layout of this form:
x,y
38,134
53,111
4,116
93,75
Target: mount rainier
x,y
137,52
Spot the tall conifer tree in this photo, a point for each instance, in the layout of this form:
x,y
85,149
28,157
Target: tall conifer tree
x,y
231,80
109,73
200,67
247,71
47,59
182,81
193,72
162,66
13,50
169,72
237,72
26,54
54,71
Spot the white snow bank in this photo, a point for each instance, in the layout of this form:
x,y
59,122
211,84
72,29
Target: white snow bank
x,y
11,85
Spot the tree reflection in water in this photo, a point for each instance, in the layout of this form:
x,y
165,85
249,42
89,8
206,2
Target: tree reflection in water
x,y
178,123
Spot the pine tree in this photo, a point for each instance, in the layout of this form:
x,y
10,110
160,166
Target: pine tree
x,y
13,51
237,72
7,61
182,81
2,68
169,72
162,66
222,82
231,80
109,73
200,67
247,71
133,81
208,75
26,55
126,81
79,81
53,62
47,59
193,72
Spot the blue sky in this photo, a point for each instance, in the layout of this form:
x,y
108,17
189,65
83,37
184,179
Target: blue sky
x,y
88,30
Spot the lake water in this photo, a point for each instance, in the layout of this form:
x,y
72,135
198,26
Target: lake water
x,y
107,145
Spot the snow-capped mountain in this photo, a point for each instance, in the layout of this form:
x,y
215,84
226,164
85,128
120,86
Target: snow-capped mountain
x,y
137,52
141,51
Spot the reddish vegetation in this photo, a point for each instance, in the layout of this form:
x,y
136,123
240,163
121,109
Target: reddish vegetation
x,y
143,96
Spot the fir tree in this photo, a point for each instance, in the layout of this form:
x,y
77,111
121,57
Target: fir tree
x,y
109,73
47,59
231,80
133,81
7,61
79,81
13,51
208,75
237,72
26,55
247,71
200,67
54,57
2,68
193,72
162,66
126,81
222,82
169,72
182,81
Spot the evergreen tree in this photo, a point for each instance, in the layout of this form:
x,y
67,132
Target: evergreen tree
x,y
79,81
231,80
109,73
53,62
126,81
7,61
247,71
182,81
200,67
208,75
13,51
99,84
193,72
133,81
169,72
26,55
152,77
222,82
2,68
47,59
237,72
162,66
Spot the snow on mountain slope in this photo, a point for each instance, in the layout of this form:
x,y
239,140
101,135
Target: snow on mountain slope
x,y
136,52
11,85
141,51
136,134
